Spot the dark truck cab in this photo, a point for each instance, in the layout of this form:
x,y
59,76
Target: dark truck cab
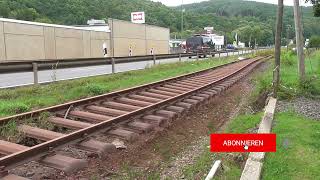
x,y
200,44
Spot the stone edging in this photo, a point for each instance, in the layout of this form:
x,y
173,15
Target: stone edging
x,y
253,167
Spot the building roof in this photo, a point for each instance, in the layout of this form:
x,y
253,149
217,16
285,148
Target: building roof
x,y
48,25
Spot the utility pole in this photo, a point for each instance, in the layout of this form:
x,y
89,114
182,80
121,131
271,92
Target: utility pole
x,y
299,39
276,75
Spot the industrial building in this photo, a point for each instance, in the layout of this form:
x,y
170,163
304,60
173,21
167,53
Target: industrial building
x,y
24,40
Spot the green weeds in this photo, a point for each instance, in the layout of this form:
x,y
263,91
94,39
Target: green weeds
x,y
290,84
19,100
232,169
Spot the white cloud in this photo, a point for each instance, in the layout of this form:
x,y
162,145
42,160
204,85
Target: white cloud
x,y
286,2
178,2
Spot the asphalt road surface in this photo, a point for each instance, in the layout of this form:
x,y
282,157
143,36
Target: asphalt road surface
x,y
46,76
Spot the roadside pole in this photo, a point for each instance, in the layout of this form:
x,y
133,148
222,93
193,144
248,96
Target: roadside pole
x,y
154,59
299,39
35,73
113,65
276,76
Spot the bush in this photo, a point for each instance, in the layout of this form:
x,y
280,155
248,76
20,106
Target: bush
x,y
14,108
94,89
310,87
314,41
287,58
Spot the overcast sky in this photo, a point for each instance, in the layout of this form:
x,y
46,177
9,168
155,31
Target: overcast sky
x,y
178,2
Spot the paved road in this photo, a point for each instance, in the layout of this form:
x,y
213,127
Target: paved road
x,y
26,78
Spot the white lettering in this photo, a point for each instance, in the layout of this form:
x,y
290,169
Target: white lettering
x,y
243,143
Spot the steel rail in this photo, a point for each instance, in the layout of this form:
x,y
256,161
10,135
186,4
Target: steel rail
x,y
31,153
107,95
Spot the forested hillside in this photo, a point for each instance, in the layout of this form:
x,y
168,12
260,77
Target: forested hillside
x,y
249,18
227,16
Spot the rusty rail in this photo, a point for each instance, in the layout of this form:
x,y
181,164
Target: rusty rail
x,y
45,148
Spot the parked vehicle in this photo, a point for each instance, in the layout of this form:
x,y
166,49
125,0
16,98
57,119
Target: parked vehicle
x,y
199,44
230,46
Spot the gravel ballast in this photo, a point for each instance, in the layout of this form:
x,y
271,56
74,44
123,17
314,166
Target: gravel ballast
x,y
304,106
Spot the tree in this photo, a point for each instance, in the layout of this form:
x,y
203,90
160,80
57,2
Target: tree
x,y
316,7
4,9
224,15
314,42
28,14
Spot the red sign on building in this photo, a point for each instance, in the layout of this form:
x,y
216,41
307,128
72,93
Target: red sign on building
x,y
138,17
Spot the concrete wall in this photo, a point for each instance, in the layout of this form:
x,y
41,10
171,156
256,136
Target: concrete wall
x,y
96,41
2,45
23,40
158,39
140,38
26,41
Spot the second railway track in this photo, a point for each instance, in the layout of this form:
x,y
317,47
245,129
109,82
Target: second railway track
x,y
124,114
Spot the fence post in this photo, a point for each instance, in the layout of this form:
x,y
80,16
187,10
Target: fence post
x,y
113,65
197,56
154,59
179,57
238,53
227,53
219,54
35,73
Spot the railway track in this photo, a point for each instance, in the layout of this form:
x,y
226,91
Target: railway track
x,y
123,114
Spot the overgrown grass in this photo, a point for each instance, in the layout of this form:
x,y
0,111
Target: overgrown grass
x,y
10,132
24,99
290,85
298,155
232,169
290,88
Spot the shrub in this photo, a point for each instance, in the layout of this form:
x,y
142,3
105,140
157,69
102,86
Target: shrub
x,y
94,89
314,41
287,58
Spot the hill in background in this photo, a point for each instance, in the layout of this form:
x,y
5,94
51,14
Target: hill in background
x,y
248,19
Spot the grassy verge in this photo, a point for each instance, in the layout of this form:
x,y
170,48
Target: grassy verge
x,y
298,155
24,99
231,165
294,161
290,86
